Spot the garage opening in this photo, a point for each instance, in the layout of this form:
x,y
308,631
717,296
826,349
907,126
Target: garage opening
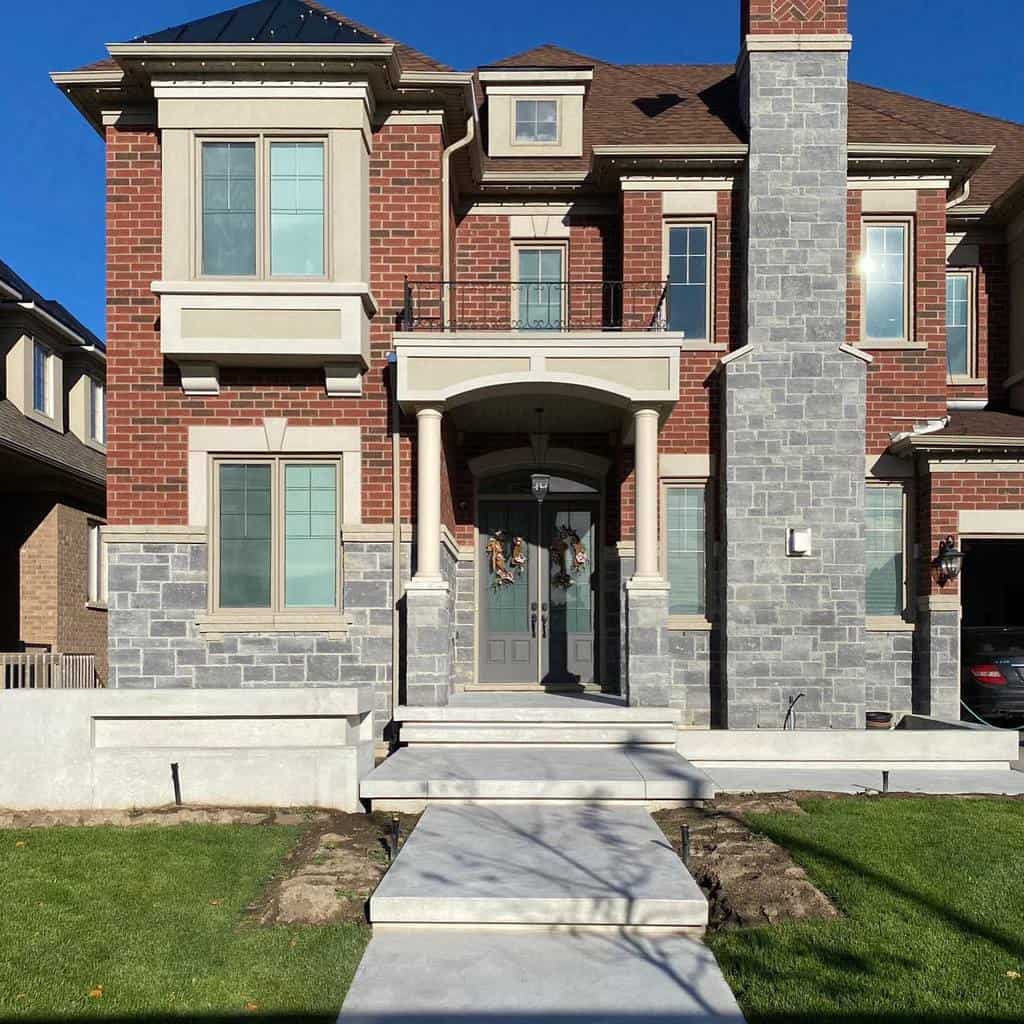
x,y
992,648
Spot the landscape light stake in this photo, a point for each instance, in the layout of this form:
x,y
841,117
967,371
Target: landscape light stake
x,y
177,783
885,782
684,844
396,831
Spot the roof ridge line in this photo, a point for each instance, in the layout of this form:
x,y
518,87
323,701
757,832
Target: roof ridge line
x,y
940,103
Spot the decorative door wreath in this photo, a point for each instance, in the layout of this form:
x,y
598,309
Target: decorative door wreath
x,y
506,565
567,540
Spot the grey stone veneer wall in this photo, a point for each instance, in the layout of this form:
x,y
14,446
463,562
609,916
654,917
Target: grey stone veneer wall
x,y
888,672
794,411
689,654
936,683
463,667
157,591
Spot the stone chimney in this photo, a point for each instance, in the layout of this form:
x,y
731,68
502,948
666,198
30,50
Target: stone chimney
x,y
794,399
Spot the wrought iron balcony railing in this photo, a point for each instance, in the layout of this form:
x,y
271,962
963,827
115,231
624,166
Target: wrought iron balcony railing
x,y
483,305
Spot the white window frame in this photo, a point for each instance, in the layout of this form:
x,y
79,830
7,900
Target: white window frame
x,y
701,619
709,297
971,274
96,565
97,388
562,246
906,222
262,142
514,114
49,380
880,621
277,609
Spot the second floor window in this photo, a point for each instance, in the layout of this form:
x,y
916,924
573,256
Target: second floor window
x,y
42,379
685,549
885,547
263,209
536,121
960,323
97,411
886,274
96,566
541,288
688,279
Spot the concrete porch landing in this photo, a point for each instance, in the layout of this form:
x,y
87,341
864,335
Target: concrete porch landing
x,y
644,775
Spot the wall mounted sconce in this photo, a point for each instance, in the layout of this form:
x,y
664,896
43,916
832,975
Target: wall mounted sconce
x,y
949,561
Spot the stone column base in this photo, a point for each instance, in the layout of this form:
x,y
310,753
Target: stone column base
x,y
428,644
648,664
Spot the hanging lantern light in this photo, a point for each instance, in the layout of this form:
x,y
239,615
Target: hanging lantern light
x,y
950,560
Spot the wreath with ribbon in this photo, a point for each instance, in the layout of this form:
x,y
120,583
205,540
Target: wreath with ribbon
x,y
568,557
507,556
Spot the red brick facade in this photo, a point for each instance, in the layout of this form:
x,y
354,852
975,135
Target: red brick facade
x,y
796,17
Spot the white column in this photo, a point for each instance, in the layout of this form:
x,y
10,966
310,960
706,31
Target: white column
x,y
645,429
428,493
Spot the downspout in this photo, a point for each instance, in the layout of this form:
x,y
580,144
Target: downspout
x,y
965,194
446,241
396,547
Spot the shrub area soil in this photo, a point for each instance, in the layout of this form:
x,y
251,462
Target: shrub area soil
x,y
748,879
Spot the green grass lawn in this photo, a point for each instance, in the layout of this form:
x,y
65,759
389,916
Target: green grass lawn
x,y
151,922
933,890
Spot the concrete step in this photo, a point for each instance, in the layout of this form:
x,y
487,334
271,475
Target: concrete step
x,y
500,977
607,734
539,865
415,776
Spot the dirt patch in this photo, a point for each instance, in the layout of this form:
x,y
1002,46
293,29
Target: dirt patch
x,y
160,816
748,879
331,874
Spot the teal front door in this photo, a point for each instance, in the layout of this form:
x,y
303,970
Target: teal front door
x,y
537,592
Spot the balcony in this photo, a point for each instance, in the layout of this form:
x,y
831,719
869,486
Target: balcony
x,y
554,306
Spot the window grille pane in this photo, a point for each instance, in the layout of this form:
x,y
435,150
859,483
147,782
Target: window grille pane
x,y
311,536
42,374
97,412
958,324
885,546
229,208
541,289
685,539
536,121
245,536
297,209
885,281
688,280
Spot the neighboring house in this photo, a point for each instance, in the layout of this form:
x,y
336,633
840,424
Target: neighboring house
x,y
53,487
755,334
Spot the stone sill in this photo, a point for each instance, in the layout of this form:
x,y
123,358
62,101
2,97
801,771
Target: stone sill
x,y
690,623
217,626
888,624
966,382
892,346
96,606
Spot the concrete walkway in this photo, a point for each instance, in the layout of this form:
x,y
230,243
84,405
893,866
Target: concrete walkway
x,y
523,913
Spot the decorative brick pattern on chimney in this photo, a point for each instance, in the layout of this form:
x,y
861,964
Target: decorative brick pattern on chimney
x,y
794,17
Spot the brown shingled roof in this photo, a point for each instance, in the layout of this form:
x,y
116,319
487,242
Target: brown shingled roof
x,y
984,423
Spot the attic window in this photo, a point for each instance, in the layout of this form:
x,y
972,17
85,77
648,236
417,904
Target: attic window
x,y
536,121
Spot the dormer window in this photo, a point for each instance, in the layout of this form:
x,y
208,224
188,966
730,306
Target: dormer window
x,y
536,121
42,379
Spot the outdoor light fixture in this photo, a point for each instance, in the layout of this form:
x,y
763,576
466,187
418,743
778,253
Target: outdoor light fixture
x,y
540,484
950,560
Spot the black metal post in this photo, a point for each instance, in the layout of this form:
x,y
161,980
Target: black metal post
x,y
684,844
396,831
885,782
407,306
176,781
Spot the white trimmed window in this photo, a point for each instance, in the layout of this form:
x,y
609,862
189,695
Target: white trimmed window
x,y
886,271
541,288
960,323
689,272
97,411
536,121
97,565
42,379
262,208
885,515
686,548
276,528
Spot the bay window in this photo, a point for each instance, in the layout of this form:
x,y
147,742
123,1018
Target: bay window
x,y
277,534
263,208
885,267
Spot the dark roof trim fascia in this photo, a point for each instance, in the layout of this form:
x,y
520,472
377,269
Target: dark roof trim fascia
x,y
927,444
32,453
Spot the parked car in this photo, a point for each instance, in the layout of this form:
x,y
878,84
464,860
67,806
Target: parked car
x,y
993,671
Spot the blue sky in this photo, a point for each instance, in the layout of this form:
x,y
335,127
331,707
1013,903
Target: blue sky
x,y
51,162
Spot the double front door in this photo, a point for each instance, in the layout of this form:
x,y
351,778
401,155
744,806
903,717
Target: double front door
x,y
537,591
